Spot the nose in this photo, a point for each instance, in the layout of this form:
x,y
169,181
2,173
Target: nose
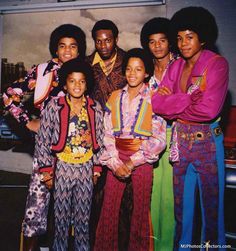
x,y
103,44
77,84
184,41
157,44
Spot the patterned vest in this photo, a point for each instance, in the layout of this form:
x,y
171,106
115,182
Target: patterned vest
x,y
143,120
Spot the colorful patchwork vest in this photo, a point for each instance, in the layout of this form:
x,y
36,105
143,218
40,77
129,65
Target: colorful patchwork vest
x,y
143,121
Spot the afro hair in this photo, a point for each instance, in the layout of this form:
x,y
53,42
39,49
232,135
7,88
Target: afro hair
x,y
105,24
197,19
141,54
154,26
77,65
71,31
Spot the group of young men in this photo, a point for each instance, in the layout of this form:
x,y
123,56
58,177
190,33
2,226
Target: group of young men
x,y
189,90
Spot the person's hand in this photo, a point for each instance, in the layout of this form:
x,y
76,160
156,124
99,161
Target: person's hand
x,y
33,125
123,172
129,164
163,90
47,179
96,175
196,96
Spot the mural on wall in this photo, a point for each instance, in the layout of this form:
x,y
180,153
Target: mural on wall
x,y
26,35
25,41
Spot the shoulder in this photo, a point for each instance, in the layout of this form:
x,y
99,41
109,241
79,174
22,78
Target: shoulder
x,y
90,58
55,103
175,67
120,53
115,94
214,60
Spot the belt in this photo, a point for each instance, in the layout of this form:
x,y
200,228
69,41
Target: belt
x,y
200,135
128,144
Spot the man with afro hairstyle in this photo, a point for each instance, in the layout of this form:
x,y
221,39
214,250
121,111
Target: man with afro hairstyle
x,y
67,41
155,39
193,93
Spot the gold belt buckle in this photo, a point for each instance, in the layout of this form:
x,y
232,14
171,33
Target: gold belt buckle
x,y
217,131
199,136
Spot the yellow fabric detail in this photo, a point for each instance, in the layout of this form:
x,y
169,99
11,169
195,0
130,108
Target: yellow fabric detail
x,y
106,69
144,122
113,105
75,158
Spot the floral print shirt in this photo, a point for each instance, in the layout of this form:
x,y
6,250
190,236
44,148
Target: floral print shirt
x,y
14,96
79,141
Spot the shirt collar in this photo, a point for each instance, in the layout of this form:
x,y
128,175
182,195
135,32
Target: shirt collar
x,y
53,65
141,92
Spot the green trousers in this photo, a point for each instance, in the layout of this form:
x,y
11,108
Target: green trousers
x,y
162,202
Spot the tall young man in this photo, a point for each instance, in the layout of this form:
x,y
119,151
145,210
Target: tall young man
x,y
106,62
66,42
193,93
155,39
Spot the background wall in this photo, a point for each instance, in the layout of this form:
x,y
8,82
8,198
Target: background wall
x,y
26,36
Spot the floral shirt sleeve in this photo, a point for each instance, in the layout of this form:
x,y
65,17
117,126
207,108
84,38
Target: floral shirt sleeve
x,y
14,94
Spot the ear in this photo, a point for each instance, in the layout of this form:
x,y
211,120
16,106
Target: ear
x,y
65,87
117,39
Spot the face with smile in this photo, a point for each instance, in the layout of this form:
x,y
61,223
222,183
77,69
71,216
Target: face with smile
x,y
158,45
105,44
76,85
67,49
189,44
135,72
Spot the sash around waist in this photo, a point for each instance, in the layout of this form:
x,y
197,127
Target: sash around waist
x,y
128,144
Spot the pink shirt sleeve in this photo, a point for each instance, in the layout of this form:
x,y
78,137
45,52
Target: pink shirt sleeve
x,y
149,150
154,145
110,156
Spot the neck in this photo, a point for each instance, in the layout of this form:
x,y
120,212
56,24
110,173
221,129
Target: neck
x,y
133,91
192,61
76,101
161,63
160,66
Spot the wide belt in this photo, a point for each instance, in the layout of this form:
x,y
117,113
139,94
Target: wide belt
x,y
128,144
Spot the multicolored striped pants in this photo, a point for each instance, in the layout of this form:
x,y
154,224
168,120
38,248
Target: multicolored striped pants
x,y
201,166
72,203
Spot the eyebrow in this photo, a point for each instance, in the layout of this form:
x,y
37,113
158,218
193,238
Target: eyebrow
x,y
66,43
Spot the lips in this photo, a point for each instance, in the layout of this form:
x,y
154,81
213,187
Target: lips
x,y
185,50
132,79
